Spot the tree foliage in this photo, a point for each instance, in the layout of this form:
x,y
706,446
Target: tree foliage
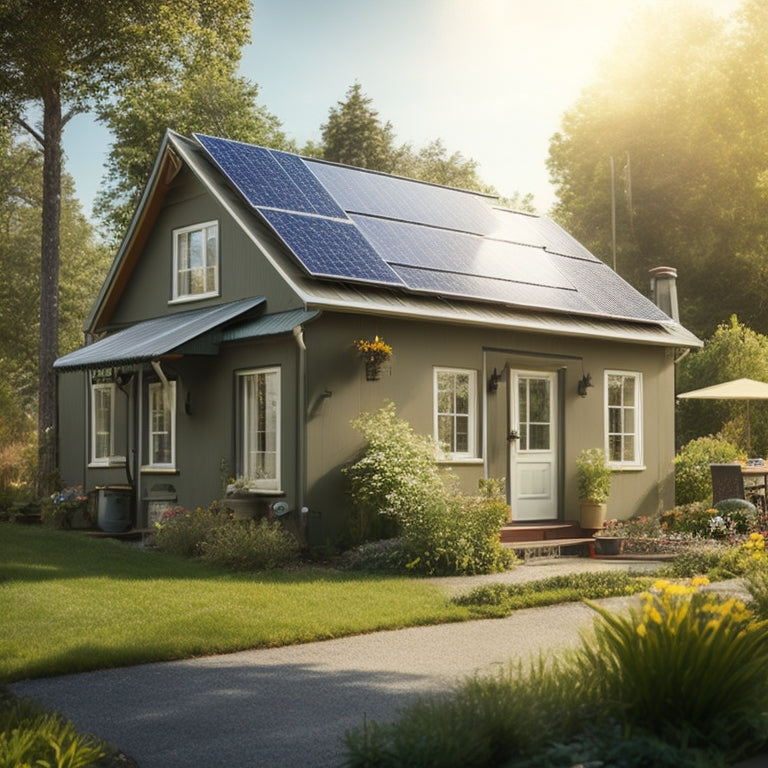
x,y
208,97
355,135
679,105
734,351
60,57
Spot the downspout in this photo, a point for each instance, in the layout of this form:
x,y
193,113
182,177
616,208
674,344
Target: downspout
x,y
301,419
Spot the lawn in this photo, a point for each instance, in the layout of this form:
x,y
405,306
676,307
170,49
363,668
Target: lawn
x,y
70,603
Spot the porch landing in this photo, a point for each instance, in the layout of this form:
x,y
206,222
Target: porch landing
x,y
548,538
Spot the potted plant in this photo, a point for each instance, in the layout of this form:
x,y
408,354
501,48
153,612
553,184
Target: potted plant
x,y
609,540
374,353
241,501
594,486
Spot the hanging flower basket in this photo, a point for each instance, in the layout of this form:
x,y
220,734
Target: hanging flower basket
x,y
373,353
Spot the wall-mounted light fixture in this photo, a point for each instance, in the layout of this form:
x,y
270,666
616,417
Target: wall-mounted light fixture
x,y
495,378
584,383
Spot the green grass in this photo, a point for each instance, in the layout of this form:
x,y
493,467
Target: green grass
x,y
71,604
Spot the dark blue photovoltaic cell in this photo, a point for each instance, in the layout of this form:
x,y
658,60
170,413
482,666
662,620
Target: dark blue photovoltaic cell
x,y
391,197
307,183
266,182
443,250
489,289
331,248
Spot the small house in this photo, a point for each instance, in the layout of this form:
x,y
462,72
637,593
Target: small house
x,y
223,343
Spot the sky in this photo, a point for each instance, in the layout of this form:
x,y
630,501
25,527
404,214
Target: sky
x,y
489,78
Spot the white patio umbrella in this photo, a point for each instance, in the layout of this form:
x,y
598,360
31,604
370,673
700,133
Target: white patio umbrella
x,y
738,389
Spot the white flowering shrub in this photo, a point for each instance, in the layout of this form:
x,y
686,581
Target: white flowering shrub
x,y
440,531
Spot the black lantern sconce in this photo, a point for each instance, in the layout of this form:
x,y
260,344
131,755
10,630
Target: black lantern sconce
x,y
584,383
495,378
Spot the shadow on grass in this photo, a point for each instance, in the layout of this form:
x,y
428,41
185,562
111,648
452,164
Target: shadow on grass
x,y
34,554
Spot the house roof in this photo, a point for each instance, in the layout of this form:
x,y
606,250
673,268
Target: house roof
x,y
350,239
199,331
357,226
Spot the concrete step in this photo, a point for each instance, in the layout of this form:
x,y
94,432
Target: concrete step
x,y
541,531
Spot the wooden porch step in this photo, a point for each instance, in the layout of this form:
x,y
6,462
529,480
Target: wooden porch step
x,y
546,530
528,550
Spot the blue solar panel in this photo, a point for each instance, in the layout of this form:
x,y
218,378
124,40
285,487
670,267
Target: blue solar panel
x,y
490,289
438,249
331,248
392,197
270,179
354,225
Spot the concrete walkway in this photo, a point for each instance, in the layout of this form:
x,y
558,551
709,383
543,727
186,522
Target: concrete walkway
x,y
291,706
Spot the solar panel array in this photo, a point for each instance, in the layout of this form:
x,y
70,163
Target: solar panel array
x,y
353,225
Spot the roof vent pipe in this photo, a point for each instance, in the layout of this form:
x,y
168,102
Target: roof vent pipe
x,y
664,291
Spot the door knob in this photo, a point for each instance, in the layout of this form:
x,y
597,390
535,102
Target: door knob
x,y
513,435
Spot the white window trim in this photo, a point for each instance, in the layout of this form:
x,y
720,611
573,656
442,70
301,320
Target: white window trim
x,y
471,453
172,427
638,462
99,461
176,297
267,485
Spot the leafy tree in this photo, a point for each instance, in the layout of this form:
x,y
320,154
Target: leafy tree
x,y
208,97
734,351
677,106
354,134
62,56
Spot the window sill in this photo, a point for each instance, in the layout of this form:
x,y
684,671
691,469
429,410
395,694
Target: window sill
x,y
627,467
257,492
115,461
195,297
469,461
150,470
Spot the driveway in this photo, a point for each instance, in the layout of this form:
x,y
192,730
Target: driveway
x,y
291,706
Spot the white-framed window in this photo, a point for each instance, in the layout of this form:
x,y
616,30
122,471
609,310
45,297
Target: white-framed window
x,y
258,397
196,261
161,430
102,422
455,413
623,418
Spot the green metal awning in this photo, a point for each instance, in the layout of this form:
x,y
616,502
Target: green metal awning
x,y
196,332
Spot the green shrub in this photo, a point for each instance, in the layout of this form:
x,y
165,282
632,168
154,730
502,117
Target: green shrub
x,y
688,665
693,480
247,545
738,516
213,536
457,535
384,555
440,531
184,533
30,736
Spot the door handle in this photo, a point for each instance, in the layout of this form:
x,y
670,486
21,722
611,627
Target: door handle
x,y
513,435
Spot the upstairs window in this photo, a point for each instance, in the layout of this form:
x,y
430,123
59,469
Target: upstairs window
x,y
623,418
455,412
196,261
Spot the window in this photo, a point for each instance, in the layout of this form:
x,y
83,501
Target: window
x,y
455,412
196,261
162,424
259,424
534,401
623,418
102,423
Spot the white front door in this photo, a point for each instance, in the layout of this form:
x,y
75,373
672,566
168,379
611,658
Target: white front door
x,y
532,445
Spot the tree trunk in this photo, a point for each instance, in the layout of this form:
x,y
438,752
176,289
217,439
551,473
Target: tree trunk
x,y
49,293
